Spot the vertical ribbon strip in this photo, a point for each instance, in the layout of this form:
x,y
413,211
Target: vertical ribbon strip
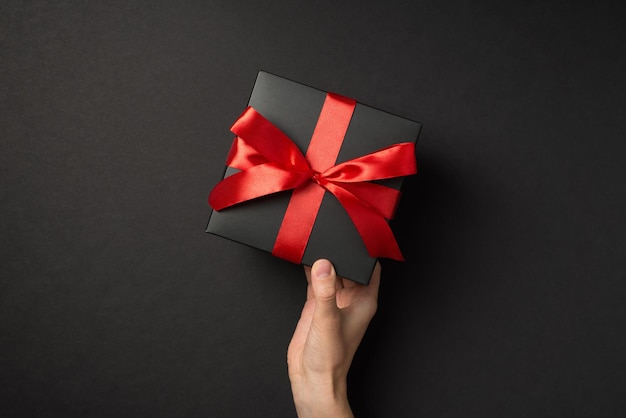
x,y
305,202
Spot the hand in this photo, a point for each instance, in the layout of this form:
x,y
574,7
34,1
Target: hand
x,y
333,321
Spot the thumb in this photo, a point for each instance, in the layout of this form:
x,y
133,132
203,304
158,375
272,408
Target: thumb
x,y
323,281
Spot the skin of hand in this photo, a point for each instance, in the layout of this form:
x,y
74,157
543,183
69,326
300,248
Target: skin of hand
x,y
333,321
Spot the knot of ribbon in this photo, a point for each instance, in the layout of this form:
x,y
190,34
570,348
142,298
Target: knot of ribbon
x,y
270,163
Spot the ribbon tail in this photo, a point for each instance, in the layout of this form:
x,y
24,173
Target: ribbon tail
x,y
371,225
381,198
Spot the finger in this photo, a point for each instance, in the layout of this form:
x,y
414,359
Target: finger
x,y
372,288
339,283
309,289
307,272
374,284
350,283
323,281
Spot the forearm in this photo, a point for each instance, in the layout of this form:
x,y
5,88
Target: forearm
x,y
321,398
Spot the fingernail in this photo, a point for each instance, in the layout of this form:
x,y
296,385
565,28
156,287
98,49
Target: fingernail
x,y
322,269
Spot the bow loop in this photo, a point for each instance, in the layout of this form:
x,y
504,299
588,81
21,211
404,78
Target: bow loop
x,y
393,161
263,142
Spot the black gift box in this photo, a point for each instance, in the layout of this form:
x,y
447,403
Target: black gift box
x,y
294,108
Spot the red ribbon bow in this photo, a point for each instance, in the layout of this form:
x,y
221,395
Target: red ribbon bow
x,y
271,163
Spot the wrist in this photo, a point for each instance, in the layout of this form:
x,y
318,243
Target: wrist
x,y
321,396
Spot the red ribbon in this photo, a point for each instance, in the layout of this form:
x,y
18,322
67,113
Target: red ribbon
x,y
270,162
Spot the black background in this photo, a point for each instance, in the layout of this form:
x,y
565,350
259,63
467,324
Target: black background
x,y
114,127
